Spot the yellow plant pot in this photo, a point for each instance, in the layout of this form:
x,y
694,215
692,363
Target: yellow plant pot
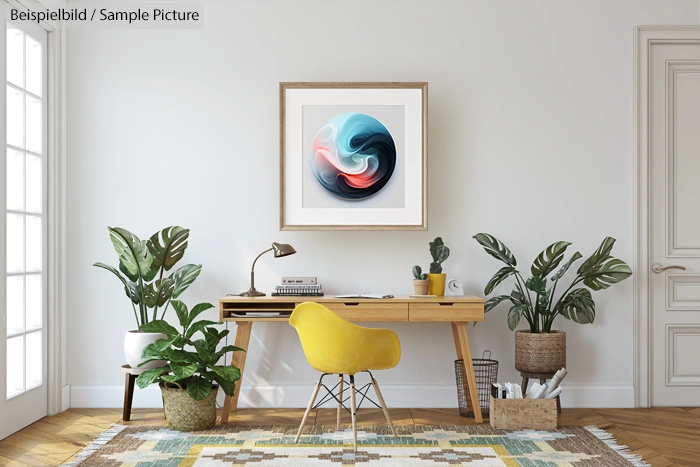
x,y
437,284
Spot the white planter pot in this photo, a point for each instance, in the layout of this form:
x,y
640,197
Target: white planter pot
x,y
134,343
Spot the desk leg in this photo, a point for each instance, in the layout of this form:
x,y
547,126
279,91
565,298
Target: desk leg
x,y
238,360
469,369
458,346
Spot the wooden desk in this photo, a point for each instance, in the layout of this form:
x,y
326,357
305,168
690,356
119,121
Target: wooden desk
x,y
459,311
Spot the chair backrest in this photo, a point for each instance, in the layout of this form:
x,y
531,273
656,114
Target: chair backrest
x,y
334,345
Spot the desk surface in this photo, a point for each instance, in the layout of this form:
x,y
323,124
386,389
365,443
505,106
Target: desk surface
x,y
401,308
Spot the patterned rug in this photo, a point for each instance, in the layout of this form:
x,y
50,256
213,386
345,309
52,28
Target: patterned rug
x,y
143,446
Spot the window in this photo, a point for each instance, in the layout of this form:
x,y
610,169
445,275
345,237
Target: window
x,y
25,211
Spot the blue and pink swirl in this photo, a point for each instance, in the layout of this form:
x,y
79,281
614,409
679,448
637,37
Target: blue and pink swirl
x,y
354,156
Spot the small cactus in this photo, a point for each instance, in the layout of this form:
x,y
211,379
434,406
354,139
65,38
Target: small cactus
x,y
440,252
418,273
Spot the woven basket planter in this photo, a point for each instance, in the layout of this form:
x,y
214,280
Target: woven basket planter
x,y
540,352
186,414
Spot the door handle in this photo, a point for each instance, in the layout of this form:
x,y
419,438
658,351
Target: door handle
x,y
657,268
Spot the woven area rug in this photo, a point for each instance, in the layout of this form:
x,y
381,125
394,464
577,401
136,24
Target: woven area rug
x,y
416,446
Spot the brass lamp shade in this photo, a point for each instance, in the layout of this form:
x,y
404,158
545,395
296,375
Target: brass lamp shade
x,y
280,250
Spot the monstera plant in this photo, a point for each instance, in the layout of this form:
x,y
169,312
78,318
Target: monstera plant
x,y
143,265
536,298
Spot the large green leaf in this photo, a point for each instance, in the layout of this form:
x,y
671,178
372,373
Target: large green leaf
x,y
161,326
514,316
184,277
597,258
149,376
198,310
610,272
228,386
199,326
560,273
578,306
542,305
226,349
168,247
133,253
537,285
158,292
493,301
229,373
183,357
549,259
213,337
501,275
183,371
203,351
198,388
517,298
129,287
496,248
181,311
151,351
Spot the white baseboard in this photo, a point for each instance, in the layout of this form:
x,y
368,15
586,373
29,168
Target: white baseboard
x,y
396,395
65,398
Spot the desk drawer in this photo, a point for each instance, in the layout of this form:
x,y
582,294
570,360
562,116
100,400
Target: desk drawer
x,y
446,311
358,311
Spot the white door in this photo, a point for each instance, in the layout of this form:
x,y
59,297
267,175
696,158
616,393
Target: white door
x,y
674,153
23,393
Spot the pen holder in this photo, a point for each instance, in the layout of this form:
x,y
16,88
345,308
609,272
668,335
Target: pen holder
x,y
523,414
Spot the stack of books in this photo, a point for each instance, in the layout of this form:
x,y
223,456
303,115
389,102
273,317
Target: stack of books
x,y
299,287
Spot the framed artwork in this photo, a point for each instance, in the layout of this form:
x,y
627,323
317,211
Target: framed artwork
x,y
353,156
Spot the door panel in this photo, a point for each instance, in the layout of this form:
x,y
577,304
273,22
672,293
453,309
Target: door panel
x,y
674,142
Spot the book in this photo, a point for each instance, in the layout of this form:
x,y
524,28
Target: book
x,y
365,295
299,280
298,290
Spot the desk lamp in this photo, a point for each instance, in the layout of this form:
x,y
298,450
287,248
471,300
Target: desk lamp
x,y
280,250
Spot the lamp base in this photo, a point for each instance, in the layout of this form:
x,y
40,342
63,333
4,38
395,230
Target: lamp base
x,y
252,293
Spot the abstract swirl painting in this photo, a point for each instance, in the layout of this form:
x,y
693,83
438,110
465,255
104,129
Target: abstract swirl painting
x,y
354,156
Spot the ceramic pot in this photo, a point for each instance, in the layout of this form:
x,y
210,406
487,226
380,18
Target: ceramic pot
x,y
134,343
437,284
420,287
186,414
540,352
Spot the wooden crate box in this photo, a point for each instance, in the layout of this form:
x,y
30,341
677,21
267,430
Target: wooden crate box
x,y
523,414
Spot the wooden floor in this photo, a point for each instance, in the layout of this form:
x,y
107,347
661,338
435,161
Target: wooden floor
x,y
662,436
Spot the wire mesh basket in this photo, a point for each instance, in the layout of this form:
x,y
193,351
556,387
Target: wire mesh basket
x,y
486,372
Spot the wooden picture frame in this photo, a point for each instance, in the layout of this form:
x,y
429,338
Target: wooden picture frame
x,y
353,156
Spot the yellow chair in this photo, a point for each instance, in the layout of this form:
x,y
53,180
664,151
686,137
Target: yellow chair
x,y
335,346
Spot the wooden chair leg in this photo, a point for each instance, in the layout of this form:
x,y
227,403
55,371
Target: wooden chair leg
x,y
128,396
340,401
308,409
381,401
526,381
353,412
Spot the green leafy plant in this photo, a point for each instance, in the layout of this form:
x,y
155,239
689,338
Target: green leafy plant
x,y
195,370
439,252
534,299
418,274
144,263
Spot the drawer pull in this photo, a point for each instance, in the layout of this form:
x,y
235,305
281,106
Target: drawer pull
x,y
352,303
446,304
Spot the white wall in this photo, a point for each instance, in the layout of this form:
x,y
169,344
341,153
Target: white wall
x,y
530,124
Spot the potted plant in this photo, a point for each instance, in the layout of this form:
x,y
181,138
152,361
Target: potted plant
x,y
143,264
190,379
420,281
439,252
540,349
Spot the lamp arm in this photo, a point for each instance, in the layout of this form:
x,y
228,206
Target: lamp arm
x,y
252,268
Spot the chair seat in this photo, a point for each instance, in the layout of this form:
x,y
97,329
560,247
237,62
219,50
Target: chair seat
x,y
334,345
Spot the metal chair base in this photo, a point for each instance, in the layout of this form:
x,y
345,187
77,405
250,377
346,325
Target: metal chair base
x,y
337,392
